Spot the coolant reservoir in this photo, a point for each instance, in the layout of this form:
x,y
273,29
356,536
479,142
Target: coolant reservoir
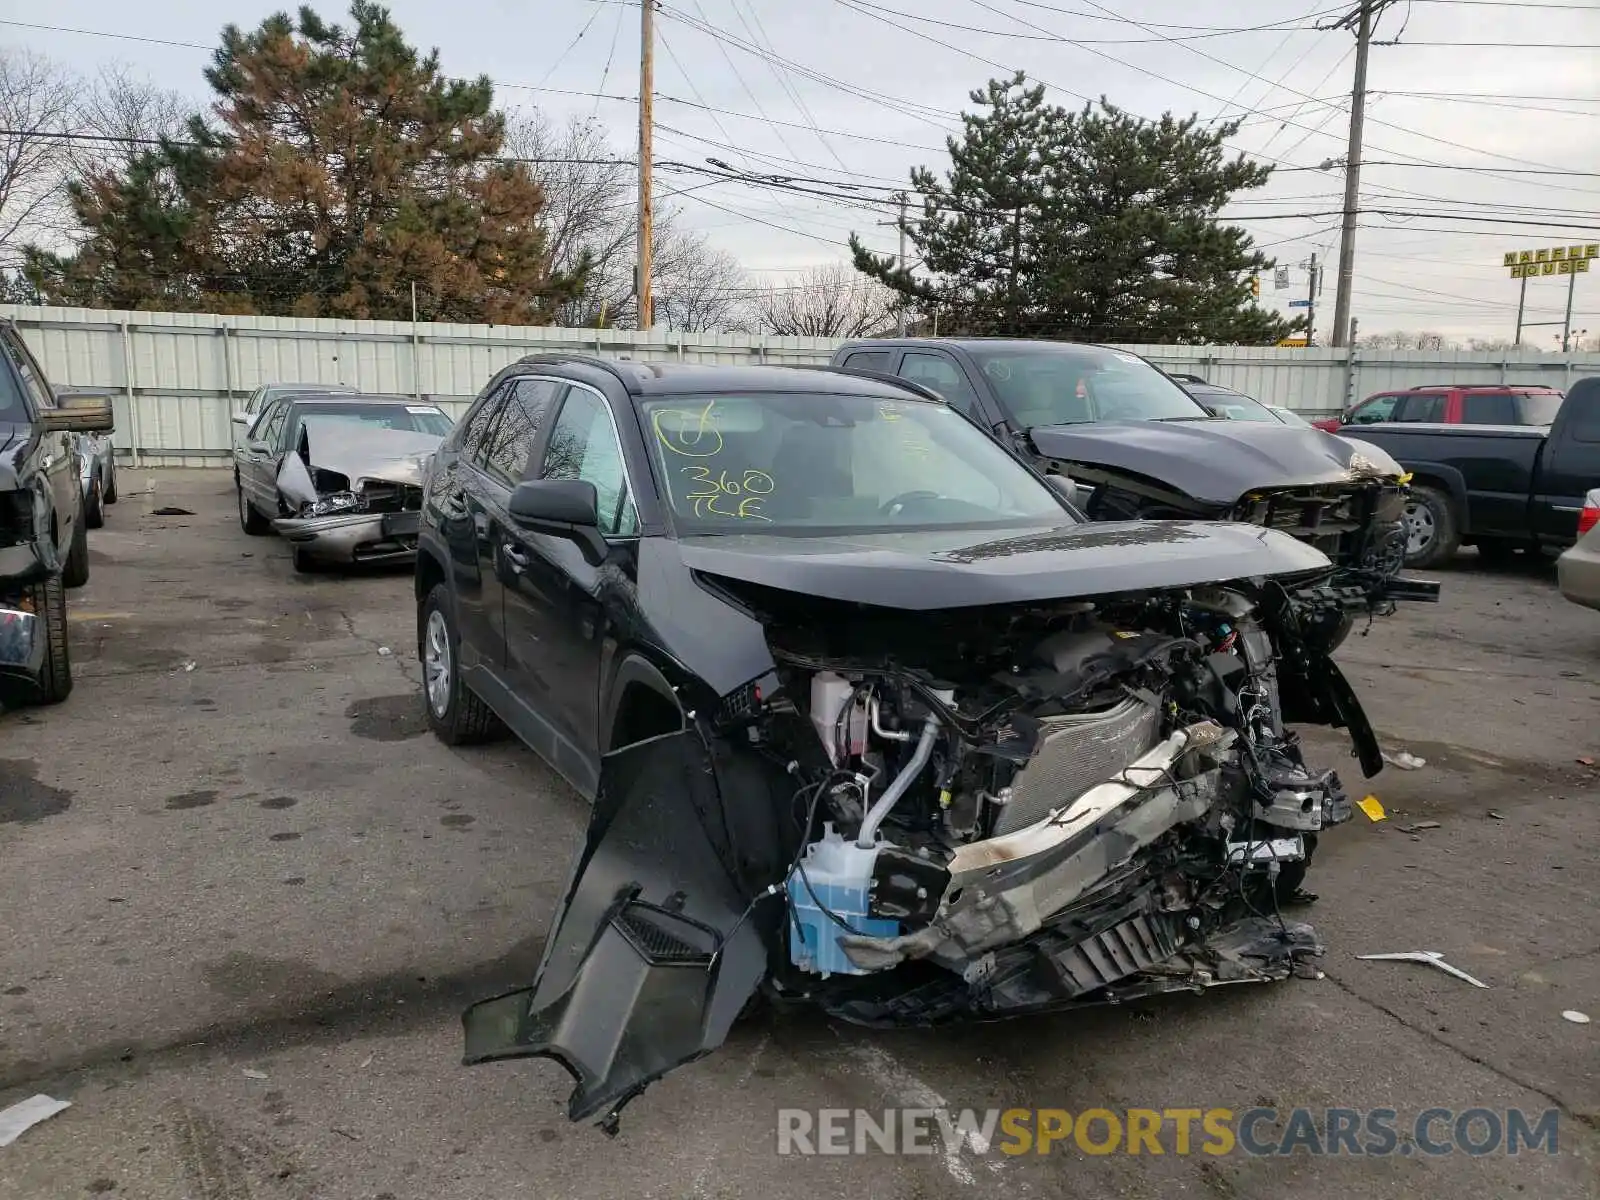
x,y
830,692
837,874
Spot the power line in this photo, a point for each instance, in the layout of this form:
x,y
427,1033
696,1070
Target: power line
x,y
759,35
572,45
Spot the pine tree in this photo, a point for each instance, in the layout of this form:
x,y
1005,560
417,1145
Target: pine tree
x,y
1092,225
339,166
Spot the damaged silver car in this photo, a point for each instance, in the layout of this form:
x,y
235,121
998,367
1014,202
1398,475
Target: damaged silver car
x,y
873,718
338,476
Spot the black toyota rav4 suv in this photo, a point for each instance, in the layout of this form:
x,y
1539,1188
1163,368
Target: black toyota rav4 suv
x,y
872,717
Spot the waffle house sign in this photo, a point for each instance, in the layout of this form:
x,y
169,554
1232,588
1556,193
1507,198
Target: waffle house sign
x,y
1553,260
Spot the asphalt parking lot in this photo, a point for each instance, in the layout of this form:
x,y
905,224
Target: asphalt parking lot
x,y
246,895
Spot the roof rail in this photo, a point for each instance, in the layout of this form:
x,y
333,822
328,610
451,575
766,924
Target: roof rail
x,y
588,360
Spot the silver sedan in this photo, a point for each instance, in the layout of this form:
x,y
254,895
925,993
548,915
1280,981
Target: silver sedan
x,y
1578,570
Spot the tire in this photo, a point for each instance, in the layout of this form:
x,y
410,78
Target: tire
x,y
111,480
1432,532
94,513
250,520
75,571
50,602
455,713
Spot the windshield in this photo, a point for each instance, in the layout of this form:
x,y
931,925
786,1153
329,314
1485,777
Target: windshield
x,y
414,418
1066,384
1289,417
786,462
1540,408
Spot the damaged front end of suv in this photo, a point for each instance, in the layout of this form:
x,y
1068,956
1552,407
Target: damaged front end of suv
x,y
941,778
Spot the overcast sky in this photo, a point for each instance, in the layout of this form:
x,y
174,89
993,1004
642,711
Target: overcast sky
x,y
1513,110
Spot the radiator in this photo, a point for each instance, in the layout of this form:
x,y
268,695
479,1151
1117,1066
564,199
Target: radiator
x,y
1075,753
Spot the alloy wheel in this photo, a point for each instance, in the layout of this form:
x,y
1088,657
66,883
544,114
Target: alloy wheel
x,y
436,668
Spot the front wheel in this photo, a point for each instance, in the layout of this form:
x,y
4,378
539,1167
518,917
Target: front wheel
x,y
75,571
94,513
1432,536
111,479
49,603
457,716
250,520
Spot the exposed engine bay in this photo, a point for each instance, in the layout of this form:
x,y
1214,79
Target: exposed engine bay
x,y
1083,802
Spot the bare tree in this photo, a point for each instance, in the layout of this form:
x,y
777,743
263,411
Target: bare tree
x,y
37,105
828,301
121,115
589,212
1403,339
698,287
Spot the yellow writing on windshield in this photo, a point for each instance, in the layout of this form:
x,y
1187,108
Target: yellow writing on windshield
x,y
696,434
739,497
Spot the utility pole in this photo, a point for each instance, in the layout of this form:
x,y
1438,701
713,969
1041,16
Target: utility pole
x,y
1311,300
1566,327
900,317
1522,303
1361,19
647,87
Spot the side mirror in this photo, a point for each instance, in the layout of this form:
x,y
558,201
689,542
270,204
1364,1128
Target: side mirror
x,y
1067,490
86,414
555,505
82,397
564,507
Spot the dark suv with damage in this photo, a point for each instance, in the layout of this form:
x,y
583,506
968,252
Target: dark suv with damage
x,y
1138,445
872,718
44,538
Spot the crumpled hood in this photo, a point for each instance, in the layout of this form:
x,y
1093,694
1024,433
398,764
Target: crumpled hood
x,y
366,451
359,451
966,568
1215,461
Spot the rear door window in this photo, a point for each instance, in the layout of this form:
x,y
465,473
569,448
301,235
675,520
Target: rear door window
x,y
1427,407
867,360
1489,408
479,419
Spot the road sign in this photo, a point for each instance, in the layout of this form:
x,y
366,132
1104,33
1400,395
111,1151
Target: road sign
x,y
1299,304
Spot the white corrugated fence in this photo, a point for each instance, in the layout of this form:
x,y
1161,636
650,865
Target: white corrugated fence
x,y
178,376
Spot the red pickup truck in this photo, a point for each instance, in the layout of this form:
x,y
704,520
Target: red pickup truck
x,y
1478,404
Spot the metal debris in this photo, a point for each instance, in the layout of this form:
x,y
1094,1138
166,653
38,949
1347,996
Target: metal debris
x,y
1495,815
1432,958
25,1114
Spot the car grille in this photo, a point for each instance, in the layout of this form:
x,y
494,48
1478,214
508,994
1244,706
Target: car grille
x,y
1335,519
1075,753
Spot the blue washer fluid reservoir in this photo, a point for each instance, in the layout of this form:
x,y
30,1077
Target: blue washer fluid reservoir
x,y
837,873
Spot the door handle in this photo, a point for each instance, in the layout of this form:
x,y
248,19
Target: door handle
x,y
515,557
